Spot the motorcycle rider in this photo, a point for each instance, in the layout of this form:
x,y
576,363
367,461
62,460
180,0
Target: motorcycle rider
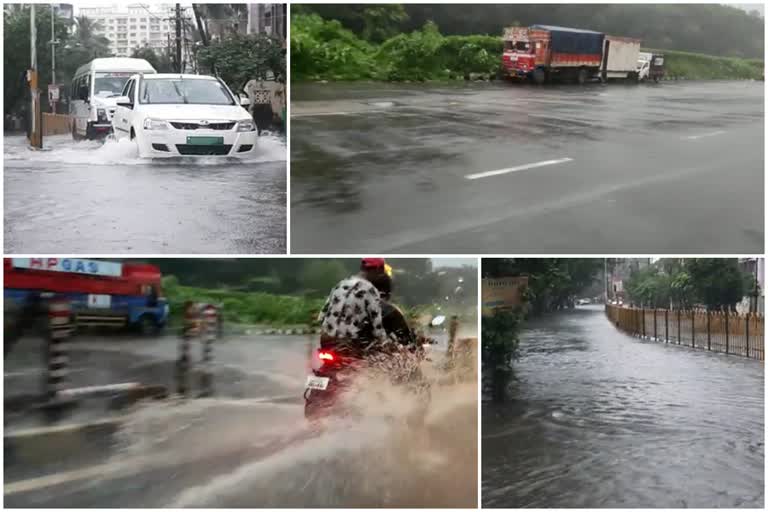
x,y
358,310
353,308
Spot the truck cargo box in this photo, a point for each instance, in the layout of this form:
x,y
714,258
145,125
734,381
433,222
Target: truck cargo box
x,y
573,40
621,55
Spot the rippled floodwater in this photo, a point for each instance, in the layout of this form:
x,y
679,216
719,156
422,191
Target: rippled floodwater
x,y
94,197
601,419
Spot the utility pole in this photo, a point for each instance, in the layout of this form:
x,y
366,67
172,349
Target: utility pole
x,y
53,54
200,26
178,38
36,118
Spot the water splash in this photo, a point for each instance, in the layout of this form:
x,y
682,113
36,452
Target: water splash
x,y
62,149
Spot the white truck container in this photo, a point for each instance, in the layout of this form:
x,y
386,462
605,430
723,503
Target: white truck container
x,y
620,57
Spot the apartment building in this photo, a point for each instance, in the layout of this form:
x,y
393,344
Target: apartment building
x,y
267,19
134,25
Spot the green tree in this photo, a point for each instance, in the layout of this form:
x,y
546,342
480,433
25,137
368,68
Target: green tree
x,y
320,275
162,63
237,59
719,283
499,349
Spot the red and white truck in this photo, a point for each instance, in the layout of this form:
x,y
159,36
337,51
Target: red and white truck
x,y
545,53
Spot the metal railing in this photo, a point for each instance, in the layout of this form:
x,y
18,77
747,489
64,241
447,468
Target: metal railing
x,y
717,331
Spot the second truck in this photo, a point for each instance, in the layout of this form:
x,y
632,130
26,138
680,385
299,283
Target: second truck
x,y
544,53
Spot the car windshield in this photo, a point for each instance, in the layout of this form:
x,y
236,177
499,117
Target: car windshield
x,y
109,84
182,91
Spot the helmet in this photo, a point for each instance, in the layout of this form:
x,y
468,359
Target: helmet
x,y
376,264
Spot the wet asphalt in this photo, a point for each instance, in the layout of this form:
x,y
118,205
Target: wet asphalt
x,y
599,419
247,446
89,197
675,167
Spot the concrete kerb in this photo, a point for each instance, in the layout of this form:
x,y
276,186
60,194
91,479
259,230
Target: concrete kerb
x,y
41,445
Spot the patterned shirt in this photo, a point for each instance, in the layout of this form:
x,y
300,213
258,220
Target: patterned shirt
x,y
354,305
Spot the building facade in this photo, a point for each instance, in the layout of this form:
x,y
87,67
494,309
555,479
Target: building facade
x,y
134,25
267,19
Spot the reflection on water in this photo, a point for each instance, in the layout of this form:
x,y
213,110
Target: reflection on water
x,y
600,419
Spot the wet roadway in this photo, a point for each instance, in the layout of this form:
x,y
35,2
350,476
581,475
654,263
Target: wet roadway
x,y
89,197
598,419
409,168
248,446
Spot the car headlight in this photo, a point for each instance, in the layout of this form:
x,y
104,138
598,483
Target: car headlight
x,y
155,124
246,126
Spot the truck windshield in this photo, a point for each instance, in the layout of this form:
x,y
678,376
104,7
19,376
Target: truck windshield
x,y
518,46
181,91
109,84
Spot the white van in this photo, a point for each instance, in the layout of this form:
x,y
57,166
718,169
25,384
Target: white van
x,y
95,89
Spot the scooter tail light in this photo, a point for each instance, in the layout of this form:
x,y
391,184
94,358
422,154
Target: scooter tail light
x,y
325,356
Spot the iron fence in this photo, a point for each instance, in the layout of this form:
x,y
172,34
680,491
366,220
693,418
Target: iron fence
x,y
718,331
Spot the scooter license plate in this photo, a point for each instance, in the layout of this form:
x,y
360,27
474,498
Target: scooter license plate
x,y
314,382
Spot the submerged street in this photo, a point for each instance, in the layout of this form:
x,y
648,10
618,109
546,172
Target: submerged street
x,y
494,168
94,197
599,419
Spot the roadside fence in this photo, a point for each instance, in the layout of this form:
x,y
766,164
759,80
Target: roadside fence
x,y
716,331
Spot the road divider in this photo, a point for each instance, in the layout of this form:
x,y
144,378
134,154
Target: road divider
x,y
519,168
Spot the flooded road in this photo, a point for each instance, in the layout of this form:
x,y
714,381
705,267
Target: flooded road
x,y
89,197
249,446
461,168
600,419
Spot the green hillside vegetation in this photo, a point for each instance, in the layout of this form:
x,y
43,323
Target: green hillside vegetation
x,y
381,43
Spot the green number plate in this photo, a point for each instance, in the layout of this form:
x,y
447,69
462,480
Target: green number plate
x,y
205,141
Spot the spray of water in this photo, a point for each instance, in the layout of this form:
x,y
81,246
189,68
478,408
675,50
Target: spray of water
x,y
253,454
62,149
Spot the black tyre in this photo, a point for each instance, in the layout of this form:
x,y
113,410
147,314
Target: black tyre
x,y
148,326
539,76
581,76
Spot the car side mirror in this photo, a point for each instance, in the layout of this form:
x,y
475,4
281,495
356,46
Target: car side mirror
x,y
124,101
244,101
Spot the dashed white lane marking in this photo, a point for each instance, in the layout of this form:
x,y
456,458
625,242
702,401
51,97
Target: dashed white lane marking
x,y
702,135
518,168
338,113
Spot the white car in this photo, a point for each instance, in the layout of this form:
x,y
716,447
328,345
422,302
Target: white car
x,y
174,115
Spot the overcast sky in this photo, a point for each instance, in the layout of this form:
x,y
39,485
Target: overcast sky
x,y
454,262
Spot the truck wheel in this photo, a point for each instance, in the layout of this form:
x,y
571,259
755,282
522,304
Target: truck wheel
x,y
147,325
539,77
581,76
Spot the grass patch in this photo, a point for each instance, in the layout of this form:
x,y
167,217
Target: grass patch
x,y
697,66
244,307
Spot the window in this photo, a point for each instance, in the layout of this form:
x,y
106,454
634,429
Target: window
x,y
175,91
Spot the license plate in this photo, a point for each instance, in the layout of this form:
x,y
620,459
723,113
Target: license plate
x,y
513,58
314,382
205,141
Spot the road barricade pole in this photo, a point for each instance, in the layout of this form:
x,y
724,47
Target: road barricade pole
x,y
57,361
188,331
211,331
